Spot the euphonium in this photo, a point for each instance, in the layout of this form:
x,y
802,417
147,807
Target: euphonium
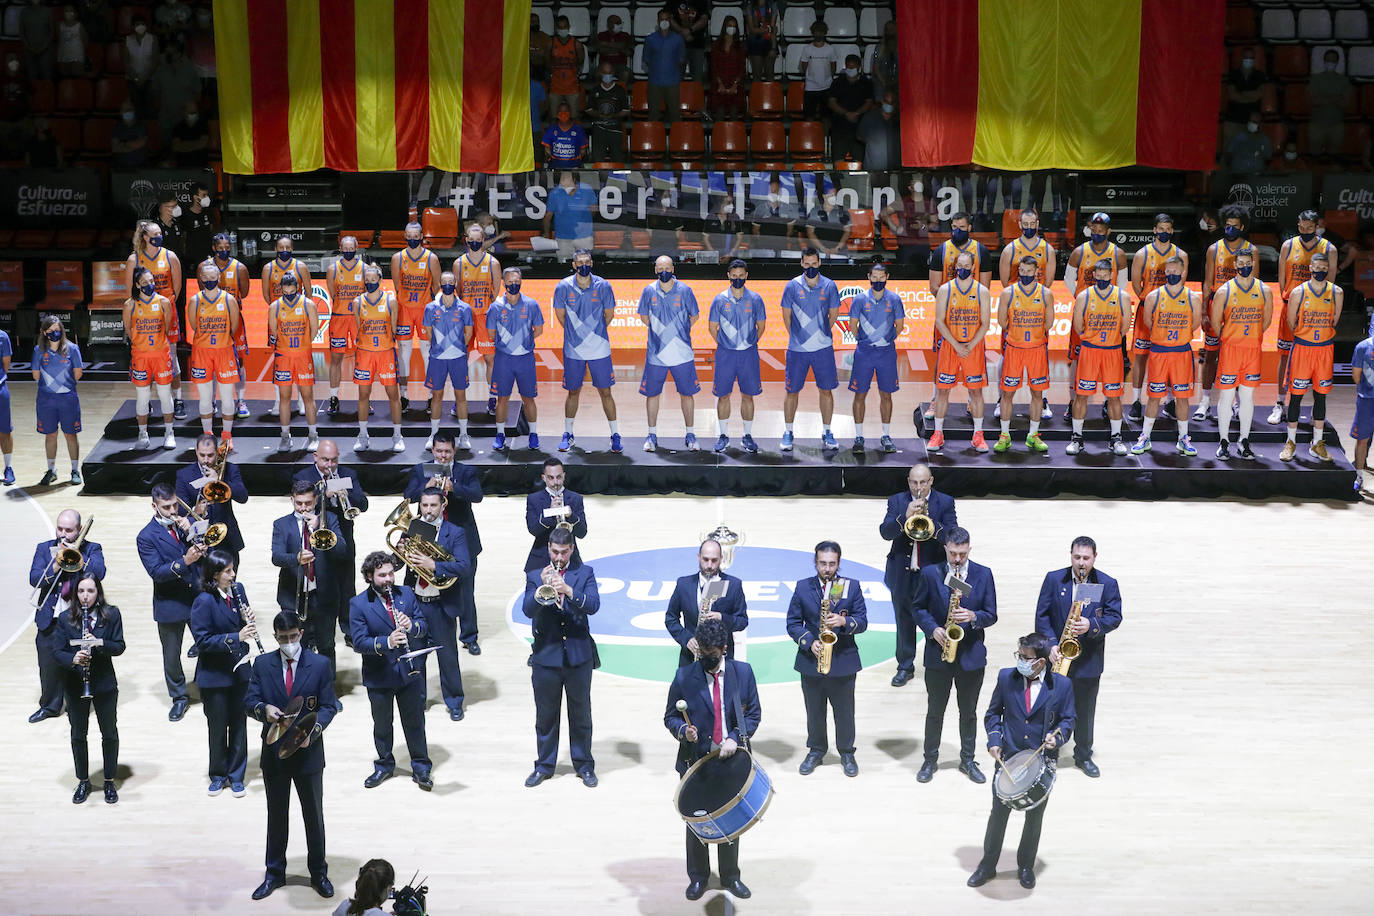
x,y
1069,647
547,594
408,548
953,632
827,635
213,533
217,491
919,527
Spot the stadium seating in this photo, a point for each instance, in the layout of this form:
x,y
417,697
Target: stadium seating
x,y
766,99
648,141
768,144
687,143
730,143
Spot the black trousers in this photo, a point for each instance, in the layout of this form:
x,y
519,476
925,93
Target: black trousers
x,y
903,598
1085,706
347,578
50,685
550,686
79,717
171,635
699,859
325,604
997,829
838,692
410,703
227,725
967,685
467,605
443,632
310,791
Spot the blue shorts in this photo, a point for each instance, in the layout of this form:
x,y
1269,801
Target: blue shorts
x,y
1363,427
740,366
575,372
509,372
440,371
6,424
684,377
871,361
821,364
59,410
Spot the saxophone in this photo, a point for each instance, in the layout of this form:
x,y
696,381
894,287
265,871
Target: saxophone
x,y
953,632
1069,648
827,635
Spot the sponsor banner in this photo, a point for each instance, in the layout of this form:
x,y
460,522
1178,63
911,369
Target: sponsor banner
x,y
1273,201
50,198
107,284
107,329
135,195
66,284
1349,191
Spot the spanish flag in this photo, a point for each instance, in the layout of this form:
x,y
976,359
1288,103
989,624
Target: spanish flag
x,y
1061,84
374,85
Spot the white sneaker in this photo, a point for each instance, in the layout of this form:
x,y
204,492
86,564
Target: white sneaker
x,y
997,411
1276,415
1200,413
464,442
1045,412
298,409
285,444
429,444
361,444
312,443
398,444
169,441
929,414
273,411
143,442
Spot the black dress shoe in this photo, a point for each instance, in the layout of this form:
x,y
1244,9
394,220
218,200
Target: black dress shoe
x,y
378,777
813,760
178,711
83,791
473,648
902,677
738,888
695,890
851,766
267,886
927,771
456,714
1088,767
424,781
975,775
1026,877
981,875
111,796
588,778
193,652
42,714
323,886
536,778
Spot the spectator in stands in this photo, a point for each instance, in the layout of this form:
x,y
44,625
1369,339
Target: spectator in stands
x,y
665,221
827,225
881,135
539,104
721,232
729,90
905,220
71,44
36,32
1347,250
197,223
883,63
174,83
1243,91
566,56
569,213
129,140
190,144
851,97
173,239
664,55
200,48
1209,228
565,143
1248,151
609,106
171,17
540,42
1289,160
615,46
41,150
494,236
761,42
819,62
774,216
98,20
14,92
692,25
140,60
1329,91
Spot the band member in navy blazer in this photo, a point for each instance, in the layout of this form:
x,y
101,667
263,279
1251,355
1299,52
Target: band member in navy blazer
x,y
1030,705
977,611
685,612
277,678
343,561
540,525
207,447
441,606
461,489
716,690
1057,594
847,618
303,583
55,588
88,613
386,623
223,636
562,660
903,577
172,560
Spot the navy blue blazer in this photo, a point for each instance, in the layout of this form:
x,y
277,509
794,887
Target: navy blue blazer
x,y
804,621
109,626
41,574
1013,729
941,510
370,625
217,512
982,600
286,543
539,526
215,628
1052,609
683,612
267,685
356,497
466,491
562,636
175,585
452,539
691,684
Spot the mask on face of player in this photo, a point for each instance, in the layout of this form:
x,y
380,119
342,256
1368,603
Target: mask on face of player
x,y
1104,284
958,236
1027,279
1245,271
665,276
54,336
412,243
963,273
147,289
1319,275
1163,237
1098,237
348,254
209,284
1173,279
1029,232
812,272
1232,233
155,241
738,282
584,270
513,289
474,244
1307,236
283,256
878,285
222,254
371,285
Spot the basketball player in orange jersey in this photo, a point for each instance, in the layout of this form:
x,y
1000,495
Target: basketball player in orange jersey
x,y
285,263
1025,310
1081,273
1101,314
1220,267
415,276
291,325
165,267
344,280
1173,313
1147,275
212,322
479,283
375,317
1295,269
963,314
1029,245
941,265
1314,311
148,319
236,281
1240,311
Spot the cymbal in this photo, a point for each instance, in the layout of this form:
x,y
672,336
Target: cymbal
x,y
279,727
297,734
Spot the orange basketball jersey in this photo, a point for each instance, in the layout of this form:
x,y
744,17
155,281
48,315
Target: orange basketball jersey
x,y
416,286
274,274
293,326
1299,262
1242,313
1088,257
1040,251
1316,322
1102,318
1026,318
211,309
161,266
1224,261
374,321
962,313
1172,324
475,283
1152,277
348,283
149,335
949,253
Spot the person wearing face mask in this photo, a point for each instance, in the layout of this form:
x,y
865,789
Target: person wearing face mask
x,y
375,318
664,55
609,105
941,264
1247,151
71,44
1220,266
883,64
668,308
1240,311
1030,707
343,279
1314,313
213,317
1147,275
514,322
55,588
1362,428
810,304
1329,91
729,95
736,323
291,324
761,41
284,263
1029,244
708,595
828,224
1101,314
584,305
774,217
1244,89
148,320
415,272
963,315
720,233
848,99
234,279
542,516
614,46
139,50
152,254
1173,314
90,616
190,150
876,319
565,142
722,712
129,139
1295,269
57,367
190,484
819,60
1080,275
172,560
479,283
448,321
566,57
1025,312
880,132
570,215
223,633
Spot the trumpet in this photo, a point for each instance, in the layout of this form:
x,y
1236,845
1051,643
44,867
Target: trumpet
x,y
349,510
919,527
565,521
213,535
70,560
547,594
217,491
240,601
409,547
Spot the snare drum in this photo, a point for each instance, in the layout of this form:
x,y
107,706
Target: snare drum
x,y
1024,781
721,798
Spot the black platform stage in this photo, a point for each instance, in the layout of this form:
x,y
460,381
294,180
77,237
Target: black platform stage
x,y
113,466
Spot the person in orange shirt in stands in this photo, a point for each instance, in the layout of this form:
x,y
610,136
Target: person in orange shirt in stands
x,y
212,321
566,56
148,320
291,325
415,274
165,267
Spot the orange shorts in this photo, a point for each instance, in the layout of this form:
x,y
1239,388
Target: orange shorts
x,y
292,369
410,323
150,368
218,365
371,366
1075,344
481,339
1171,372
970,371
1031,362
1140,336
1310,368
1285,332
1238,365
1211,341
1099,366
343,332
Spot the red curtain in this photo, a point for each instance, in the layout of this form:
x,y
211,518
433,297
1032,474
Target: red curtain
x,y
939,80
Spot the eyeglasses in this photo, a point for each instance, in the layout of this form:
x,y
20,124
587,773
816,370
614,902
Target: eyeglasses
x,y
1021,658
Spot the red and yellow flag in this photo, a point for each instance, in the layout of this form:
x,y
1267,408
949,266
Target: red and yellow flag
x,y
1062,84
374,85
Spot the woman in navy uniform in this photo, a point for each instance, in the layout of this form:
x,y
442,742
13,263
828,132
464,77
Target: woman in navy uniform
x,y
223,637
90,612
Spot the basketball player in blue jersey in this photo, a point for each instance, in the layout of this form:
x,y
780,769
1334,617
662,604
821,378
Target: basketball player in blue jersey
x,y
736,323
514,322
875,319
810,305
668,308
585,305
448,321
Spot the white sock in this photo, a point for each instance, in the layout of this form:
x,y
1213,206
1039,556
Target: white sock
x,y
939,424
1035,426
500,429
76,465
362,430
176,391
333,391
534,429
1135,395
286,429
143,427
1116,427
748,427
615,427
52,464
653,430
1147,427
721,426
1204,402
1183,426
1077,426
1247,411
568,425
1006,425
9,458
433,427
395,430
977,426
313,430
858,430
463,426
887,429
787,427
228,422
1292,437
1224,399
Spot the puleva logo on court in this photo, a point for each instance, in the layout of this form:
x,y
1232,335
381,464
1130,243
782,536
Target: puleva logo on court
x,y
635,588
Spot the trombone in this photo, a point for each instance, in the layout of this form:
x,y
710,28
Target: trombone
x,y
217,491
321,538
70,560
214,534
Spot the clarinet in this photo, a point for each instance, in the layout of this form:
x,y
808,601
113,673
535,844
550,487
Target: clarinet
x,y
86,668
246,613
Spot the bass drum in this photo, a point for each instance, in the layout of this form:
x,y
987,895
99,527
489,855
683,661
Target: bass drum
x,y
720,798
1024,781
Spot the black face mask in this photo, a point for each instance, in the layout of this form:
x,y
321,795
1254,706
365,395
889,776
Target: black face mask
x,y
709,663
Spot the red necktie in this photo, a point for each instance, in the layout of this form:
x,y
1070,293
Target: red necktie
x,y
290,680
718,731
305,545
390,612
172,530
1028,697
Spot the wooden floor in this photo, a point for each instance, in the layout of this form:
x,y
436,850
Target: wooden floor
x,y
1231,733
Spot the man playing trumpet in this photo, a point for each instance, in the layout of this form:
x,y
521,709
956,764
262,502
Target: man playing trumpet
x,y
296,538
906,556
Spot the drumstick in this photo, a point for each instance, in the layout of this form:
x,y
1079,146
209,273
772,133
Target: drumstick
x,y
682,708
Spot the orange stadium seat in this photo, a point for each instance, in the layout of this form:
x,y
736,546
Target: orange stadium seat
x,y
519,240
364,237
440,226
1277,132
67,132
806,143
1296,104
42,96
110,93
692,104
608,239
393,239
1240,23
687,140
765,99
74,95
729,142
113,54
639,99
1291,62
768,143
796,98
861,230
95,58
1269,100
648,140
95,136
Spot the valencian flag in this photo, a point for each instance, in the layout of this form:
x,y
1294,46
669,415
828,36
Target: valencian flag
x,y
1063,84
374,85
